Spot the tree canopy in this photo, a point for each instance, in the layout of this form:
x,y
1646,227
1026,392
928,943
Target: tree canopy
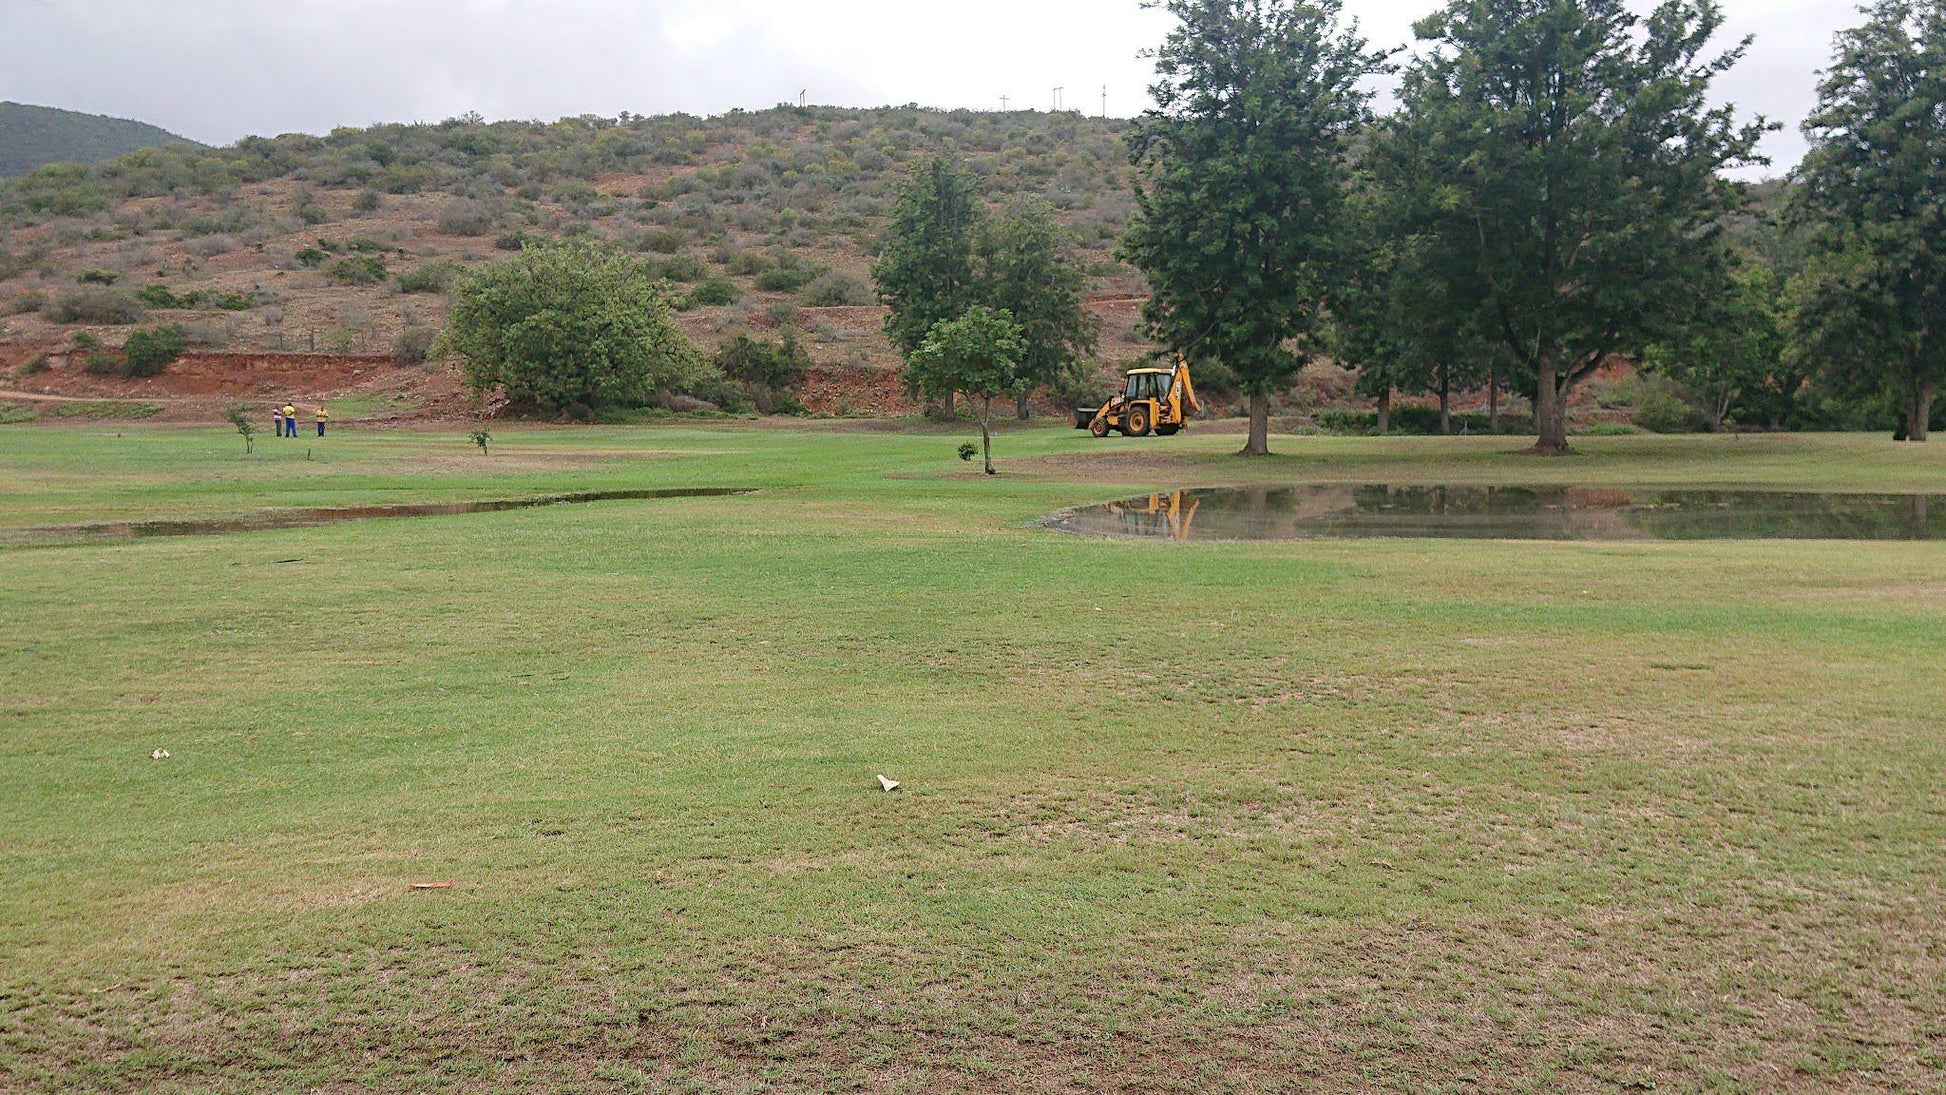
x,y
568,329
1567,153
1240,180
924,270
1872,304
1025,271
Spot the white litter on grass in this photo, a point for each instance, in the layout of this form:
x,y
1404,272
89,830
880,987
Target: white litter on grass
x,y
888,784
159,754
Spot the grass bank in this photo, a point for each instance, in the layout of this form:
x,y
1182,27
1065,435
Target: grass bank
x,y
1207,817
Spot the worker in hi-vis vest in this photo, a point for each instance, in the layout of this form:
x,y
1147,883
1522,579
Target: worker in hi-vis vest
x,y
322,416
290,420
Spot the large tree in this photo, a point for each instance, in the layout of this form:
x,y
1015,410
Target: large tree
x,y
568,329
1240,181
1873,302
925,272
1025,270
980,353
1566,152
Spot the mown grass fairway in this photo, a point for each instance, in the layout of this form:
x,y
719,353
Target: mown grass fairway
x,y
1425,816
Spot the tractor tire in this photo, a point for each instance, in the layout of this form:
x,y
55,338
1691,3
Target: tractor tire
x,y
1137,423
1166,431
1099,427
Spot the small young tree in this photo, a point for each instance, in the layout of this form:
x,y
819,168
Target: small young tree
x,y
567,329
1025,270
980,354
240,418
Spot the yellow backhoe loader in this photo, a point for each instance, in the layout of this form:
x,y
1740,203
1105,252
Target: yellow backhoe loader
x,y
1156,401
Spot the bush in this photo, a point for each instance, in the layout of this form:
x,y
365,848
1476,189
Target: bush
x,y
433,278
97,277
684,268
36,364
28,300
511,241
465,217
357,270
663,241
1660,410
716,292
836,290
788,276
311,257
103,363
413,345
312,213
148,352
93,304
367,201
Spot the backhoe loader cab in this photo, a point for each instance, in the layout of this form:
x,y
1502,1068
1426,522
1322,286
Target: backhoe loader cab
x,y
1156,401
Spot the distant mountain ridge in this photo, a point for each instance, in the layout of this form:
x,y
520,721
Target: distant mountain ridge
x,y
31,136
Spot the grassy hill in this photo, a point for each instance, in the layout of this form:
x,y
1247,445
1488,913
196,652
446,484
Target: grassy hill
x,y
32,136
342,242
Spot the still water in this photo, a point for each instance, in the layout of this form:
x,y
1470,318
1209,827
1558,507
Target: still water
x,y
1510,513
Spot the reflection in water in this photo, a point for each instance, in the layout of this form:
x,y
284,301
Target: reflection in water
x,y
1511,513
324,515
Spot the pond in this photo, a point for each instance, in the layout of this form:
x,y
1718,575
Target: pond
x,y
306,517
1350,511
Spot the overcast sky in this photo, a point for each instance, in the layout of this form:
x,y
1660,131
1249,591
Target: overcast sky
x,y
218,70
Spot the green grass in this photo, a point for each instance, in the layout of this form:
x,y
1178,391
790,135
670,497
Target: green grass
x,y
1413,816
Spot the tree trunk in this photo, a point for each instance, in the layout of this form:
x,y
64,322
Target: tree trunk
x,y
1259,443
1550,412
1922,392
986,435
1385,410
947,411
1021,410
1493,397
1445,400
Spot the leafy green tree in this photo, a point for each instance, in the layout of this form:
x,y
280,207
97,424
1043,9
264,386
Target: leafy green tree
x,y
769,371
568,329
239,417
1240,179
925,268
1731,357
1873,303
1025,270
1567,152
980,353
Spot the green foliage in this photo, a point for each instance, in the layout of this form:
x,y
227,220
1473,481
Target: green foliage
x,y
1562,160
158,295
93,304
770,371
357,270
924,270
435,277
1240,183
968,450
834,289
1730,356
1027,271
311,213
464,217
311,257
367,201
97,277
148,351
35,365
568,329
1871,305
481,434
716,291
1662,406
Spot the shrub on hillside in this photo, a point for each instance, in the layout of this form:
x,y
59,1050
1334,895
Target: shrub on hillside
x,y
97,277
465,217
93,304
414,344
367,201
357,270
716,292
149,351
432,278
833,289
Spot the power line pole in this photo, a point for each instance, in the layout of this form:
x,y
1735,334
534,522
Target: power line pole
x,y
1003,104
1104,100
1057,99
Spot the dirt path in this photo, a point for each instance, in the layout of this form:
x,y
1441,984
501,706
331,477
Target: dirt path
x,y
44,397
